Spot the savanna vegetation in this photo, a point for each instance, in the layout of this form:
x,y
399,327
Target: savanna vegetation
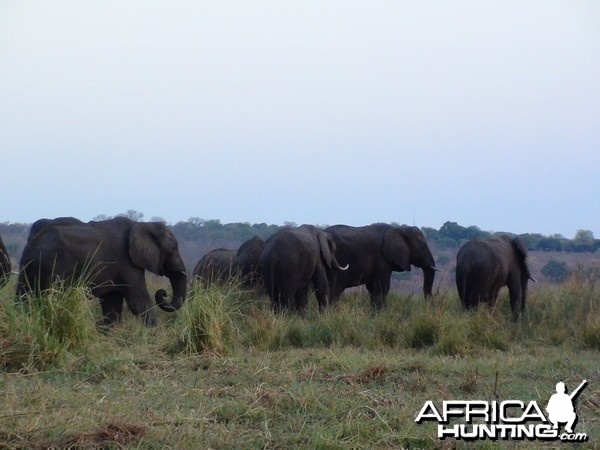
x,y
225,372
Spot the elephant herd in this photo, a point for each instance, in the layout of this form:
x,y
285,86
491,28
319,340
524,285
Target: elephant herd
x,y
112,256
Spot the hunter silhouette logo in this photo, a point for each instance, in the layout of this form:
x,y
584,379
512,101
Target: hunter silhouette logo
x,y
560,406
508,419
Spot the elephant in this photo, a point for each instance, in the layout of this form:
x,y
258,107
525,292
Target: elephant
x,y
216,266
221,264
373,253
40,224
293,258
484,265
5,266
112,257
246,262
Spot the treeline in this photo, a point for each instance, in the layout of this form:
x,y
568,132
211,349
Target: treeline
x,y
451,235
197,236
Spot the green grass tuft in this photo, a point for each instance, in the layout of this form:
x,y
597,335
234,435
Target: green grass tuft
x,y
41,330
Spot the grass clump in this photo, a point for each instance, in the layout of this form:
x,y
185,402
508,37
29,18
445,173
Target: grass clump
x,y
47,325
210,319
423,332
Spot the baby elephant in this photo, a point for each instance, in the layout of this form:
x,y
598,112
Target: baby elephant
x,y
484,265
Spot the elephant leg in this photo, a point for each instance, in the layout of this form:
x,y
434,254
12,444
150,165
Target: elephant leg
x,y
301,299
139,303
379,290
284,297
321,288
112,307
334,294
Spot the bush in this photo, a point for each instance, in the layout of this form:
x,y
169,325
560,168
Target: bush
x,y
556,271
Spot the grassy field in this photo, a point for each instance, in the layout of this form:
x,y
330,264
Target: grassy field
x,y
225,372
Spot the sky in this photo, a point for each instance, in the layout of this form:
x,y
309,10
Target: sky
x,y
321,112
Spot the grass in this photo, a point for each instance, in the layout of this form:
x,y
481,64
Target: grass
x,y
225,372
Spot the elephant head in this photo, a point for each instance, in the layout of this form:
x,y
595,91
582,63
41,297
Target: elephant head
x,y
405,246
153,246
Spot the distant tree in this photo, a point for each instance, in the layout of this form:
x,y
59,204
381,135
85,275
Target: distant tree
x,y
212,224
556,271
531,240
458,233
549,244
430,233
100,217
196,221
584,241
158,219
133,215
453,231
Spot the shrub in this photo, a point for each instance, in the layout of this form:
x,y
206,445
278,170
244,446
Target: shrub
x,y
556,271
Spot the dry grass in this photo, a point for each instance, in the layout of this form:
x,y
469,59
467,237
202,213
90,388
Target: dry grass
x,y
346,378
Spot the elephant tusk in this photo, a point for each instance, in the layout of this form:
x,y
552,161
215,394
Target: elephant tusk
x,y
345,267
533,279
436,269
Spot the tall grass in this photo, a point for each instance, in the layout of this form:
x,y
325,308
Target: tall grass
x,y
222,319
40,330
211,318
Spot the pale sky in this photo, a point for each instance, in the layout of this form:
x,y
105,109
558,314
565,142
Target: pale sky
x,y
322,112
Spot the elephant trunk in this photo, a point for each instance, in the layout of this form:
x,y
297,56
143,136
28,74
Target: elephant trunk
x,y
179,286
428,276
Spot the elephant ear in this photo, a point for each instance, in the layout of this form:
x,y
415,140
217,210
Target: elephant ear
x,y
327,246
395,249
521,251
144,249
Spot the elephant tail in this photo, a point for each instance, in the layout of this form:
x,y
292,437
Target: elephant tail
x,y
269,276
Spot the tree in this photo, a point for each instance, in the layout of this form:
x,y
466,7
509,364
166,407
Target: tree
x,y
133,215
584,241
556,271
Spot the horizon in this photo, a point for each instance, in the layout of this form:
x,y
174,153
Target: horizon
x,y
142,218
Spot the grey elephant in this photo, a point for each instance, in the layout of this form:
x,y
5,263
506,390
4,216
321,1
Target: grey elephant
x,y
40,224
216,266
373,252
5,266
292,259
112,256
246,262
484,265
219,265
